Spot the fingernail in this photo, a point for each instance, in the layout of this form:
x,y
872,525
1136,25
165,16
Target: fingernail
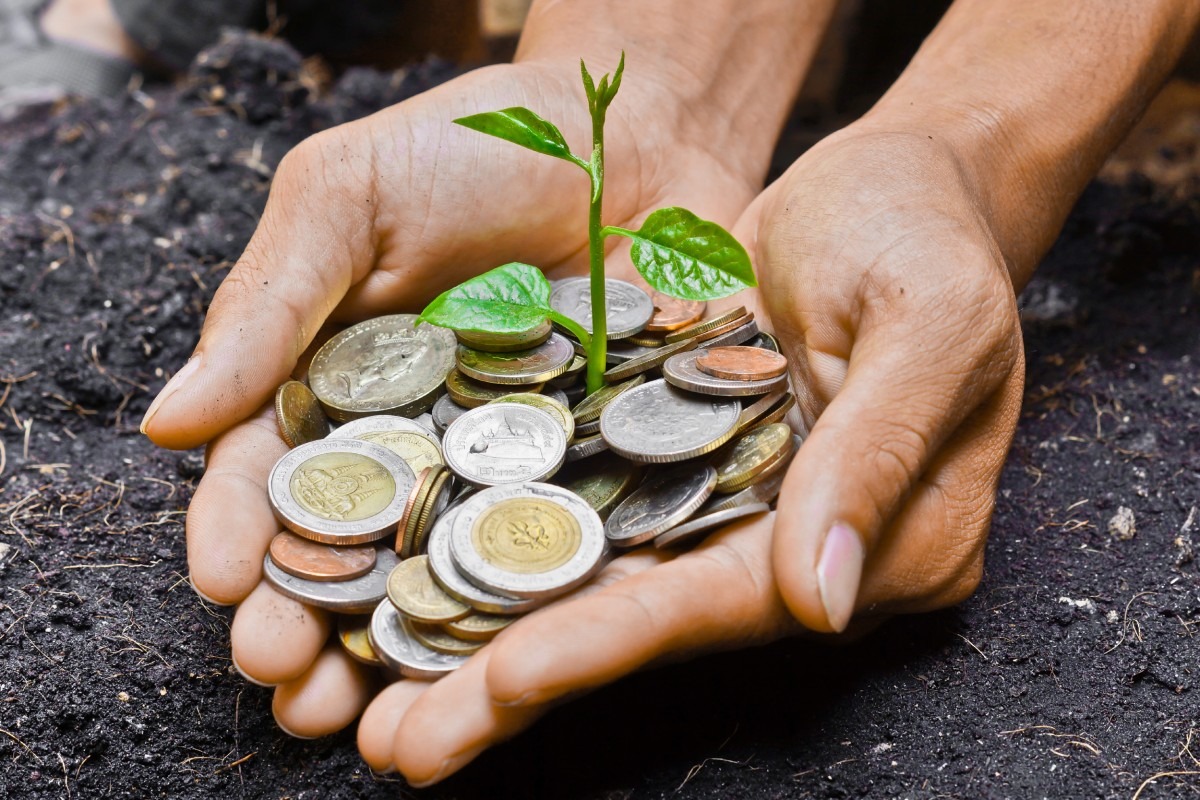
x,y
255,681
448,767
173,386
535,696
839,572
292,734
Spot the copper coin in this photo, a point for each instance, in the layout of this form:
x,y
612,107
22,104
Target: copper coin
x,y
299,414
314,561
671,313
742,363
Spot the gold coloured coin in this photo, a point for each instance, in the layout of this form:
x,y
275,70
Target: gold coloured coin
x,y
707,325
590,407
438,640
526,535
413,592
548,404
720,330
478,627
404,531
430,509
342,486
352,633
506,342
652,360
299,415
645,340
520,367
603,482
754,414
753,454
473,394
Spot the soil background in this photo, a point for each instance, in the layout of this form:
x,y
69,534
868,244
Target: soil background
x,y
1072,673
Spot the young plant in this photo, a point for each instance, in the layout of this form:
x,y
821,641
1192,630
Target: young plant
x,y
677,253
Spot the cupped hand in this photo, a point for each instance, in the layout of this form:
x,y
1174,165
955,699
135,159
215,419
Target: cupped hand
x,y
881,278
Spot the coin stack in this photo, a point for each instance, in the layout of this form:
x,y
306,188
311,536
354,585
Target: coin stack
x,y
471,480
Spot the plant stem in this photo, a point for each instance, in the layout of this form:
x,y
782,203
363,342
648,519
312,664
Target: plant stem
x,y
598,348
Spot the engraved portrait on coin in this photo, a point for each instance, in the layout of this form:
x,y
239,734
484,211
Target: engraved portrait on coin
x,y
627,308
393,354
657,423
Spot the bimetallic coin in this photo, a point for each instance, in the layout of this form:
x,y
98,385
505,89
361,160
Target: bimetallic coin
x,y
664,501
356,596
404,437
506,342
603,482
314,561
590,407
657,424
298,414
698,527
586,448
437,639
765,490
627,308
470,393
671,313
531,540
478,627
753,454
352,633
681,371
393,640
445,572
548,403
445,411
521,367
504,443
340,491
382,366
701,328
645,363
735,336
411,589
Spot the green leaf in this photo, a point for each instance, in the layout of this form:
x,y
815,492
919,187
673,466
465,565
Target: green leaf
x,y
589,86
684,256
616,81
522,126
508,299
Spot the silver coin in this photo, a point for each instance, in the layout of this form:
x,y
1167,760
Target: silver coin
x,y
356,596
656,423
425,420
571,558
664,501
445,411
587,429
739,335
382,366
627,308
585,448
765,341
765,491
340,491
391,635
504,443
407,438
695,528
521,367
446,575
681,370
620,352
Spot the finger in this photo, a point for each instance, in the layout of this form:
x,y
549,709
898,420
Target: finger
x,y
326,697
377,730
314,240
917,369
720,595
274,638
453,722
229,522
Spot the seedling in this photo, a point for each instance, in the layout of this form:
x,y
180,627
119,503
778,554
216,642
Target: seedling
x,y
676,252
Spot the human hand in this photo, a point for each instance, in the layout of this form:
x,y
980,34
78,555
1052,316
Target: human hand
x,y
881,278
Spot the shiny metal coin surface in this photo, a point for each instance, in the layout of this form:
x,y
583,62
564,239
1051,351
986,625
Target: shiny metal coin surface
x,y
438,639
314,561
656,423
662,502
681,370
521,367
445,411
340,491
445,572
529,540
586,448
407,438
355,639
730,338
478,627
356,596
697,528
603,482
671,313
393,640
506,342
545,402
412,590
752,454
701,328
299,415
627,308
589,408
382,366
504,443
765,490
648,361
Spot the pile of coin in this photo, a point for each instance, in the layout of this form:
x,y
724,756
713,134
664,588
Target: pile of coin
x,y
471,480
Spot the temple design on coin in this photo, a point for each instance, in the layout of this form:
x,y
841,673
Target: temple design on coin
x,y
339,492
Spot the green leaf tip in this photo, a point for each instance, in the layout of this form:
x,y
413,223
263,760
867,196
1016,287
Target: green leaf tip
x,y
524,127
508,299
601,94
684,256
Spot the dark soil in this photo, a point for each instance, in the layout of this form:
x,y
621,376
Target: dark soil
x,y
1073,672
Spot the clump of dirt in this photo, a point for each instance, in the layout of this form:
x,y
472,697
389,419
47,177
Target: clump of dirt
x,y
1072,672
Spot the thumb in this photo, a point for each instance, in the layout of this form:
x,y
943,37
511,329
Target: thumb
x,y
914,375
313,242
